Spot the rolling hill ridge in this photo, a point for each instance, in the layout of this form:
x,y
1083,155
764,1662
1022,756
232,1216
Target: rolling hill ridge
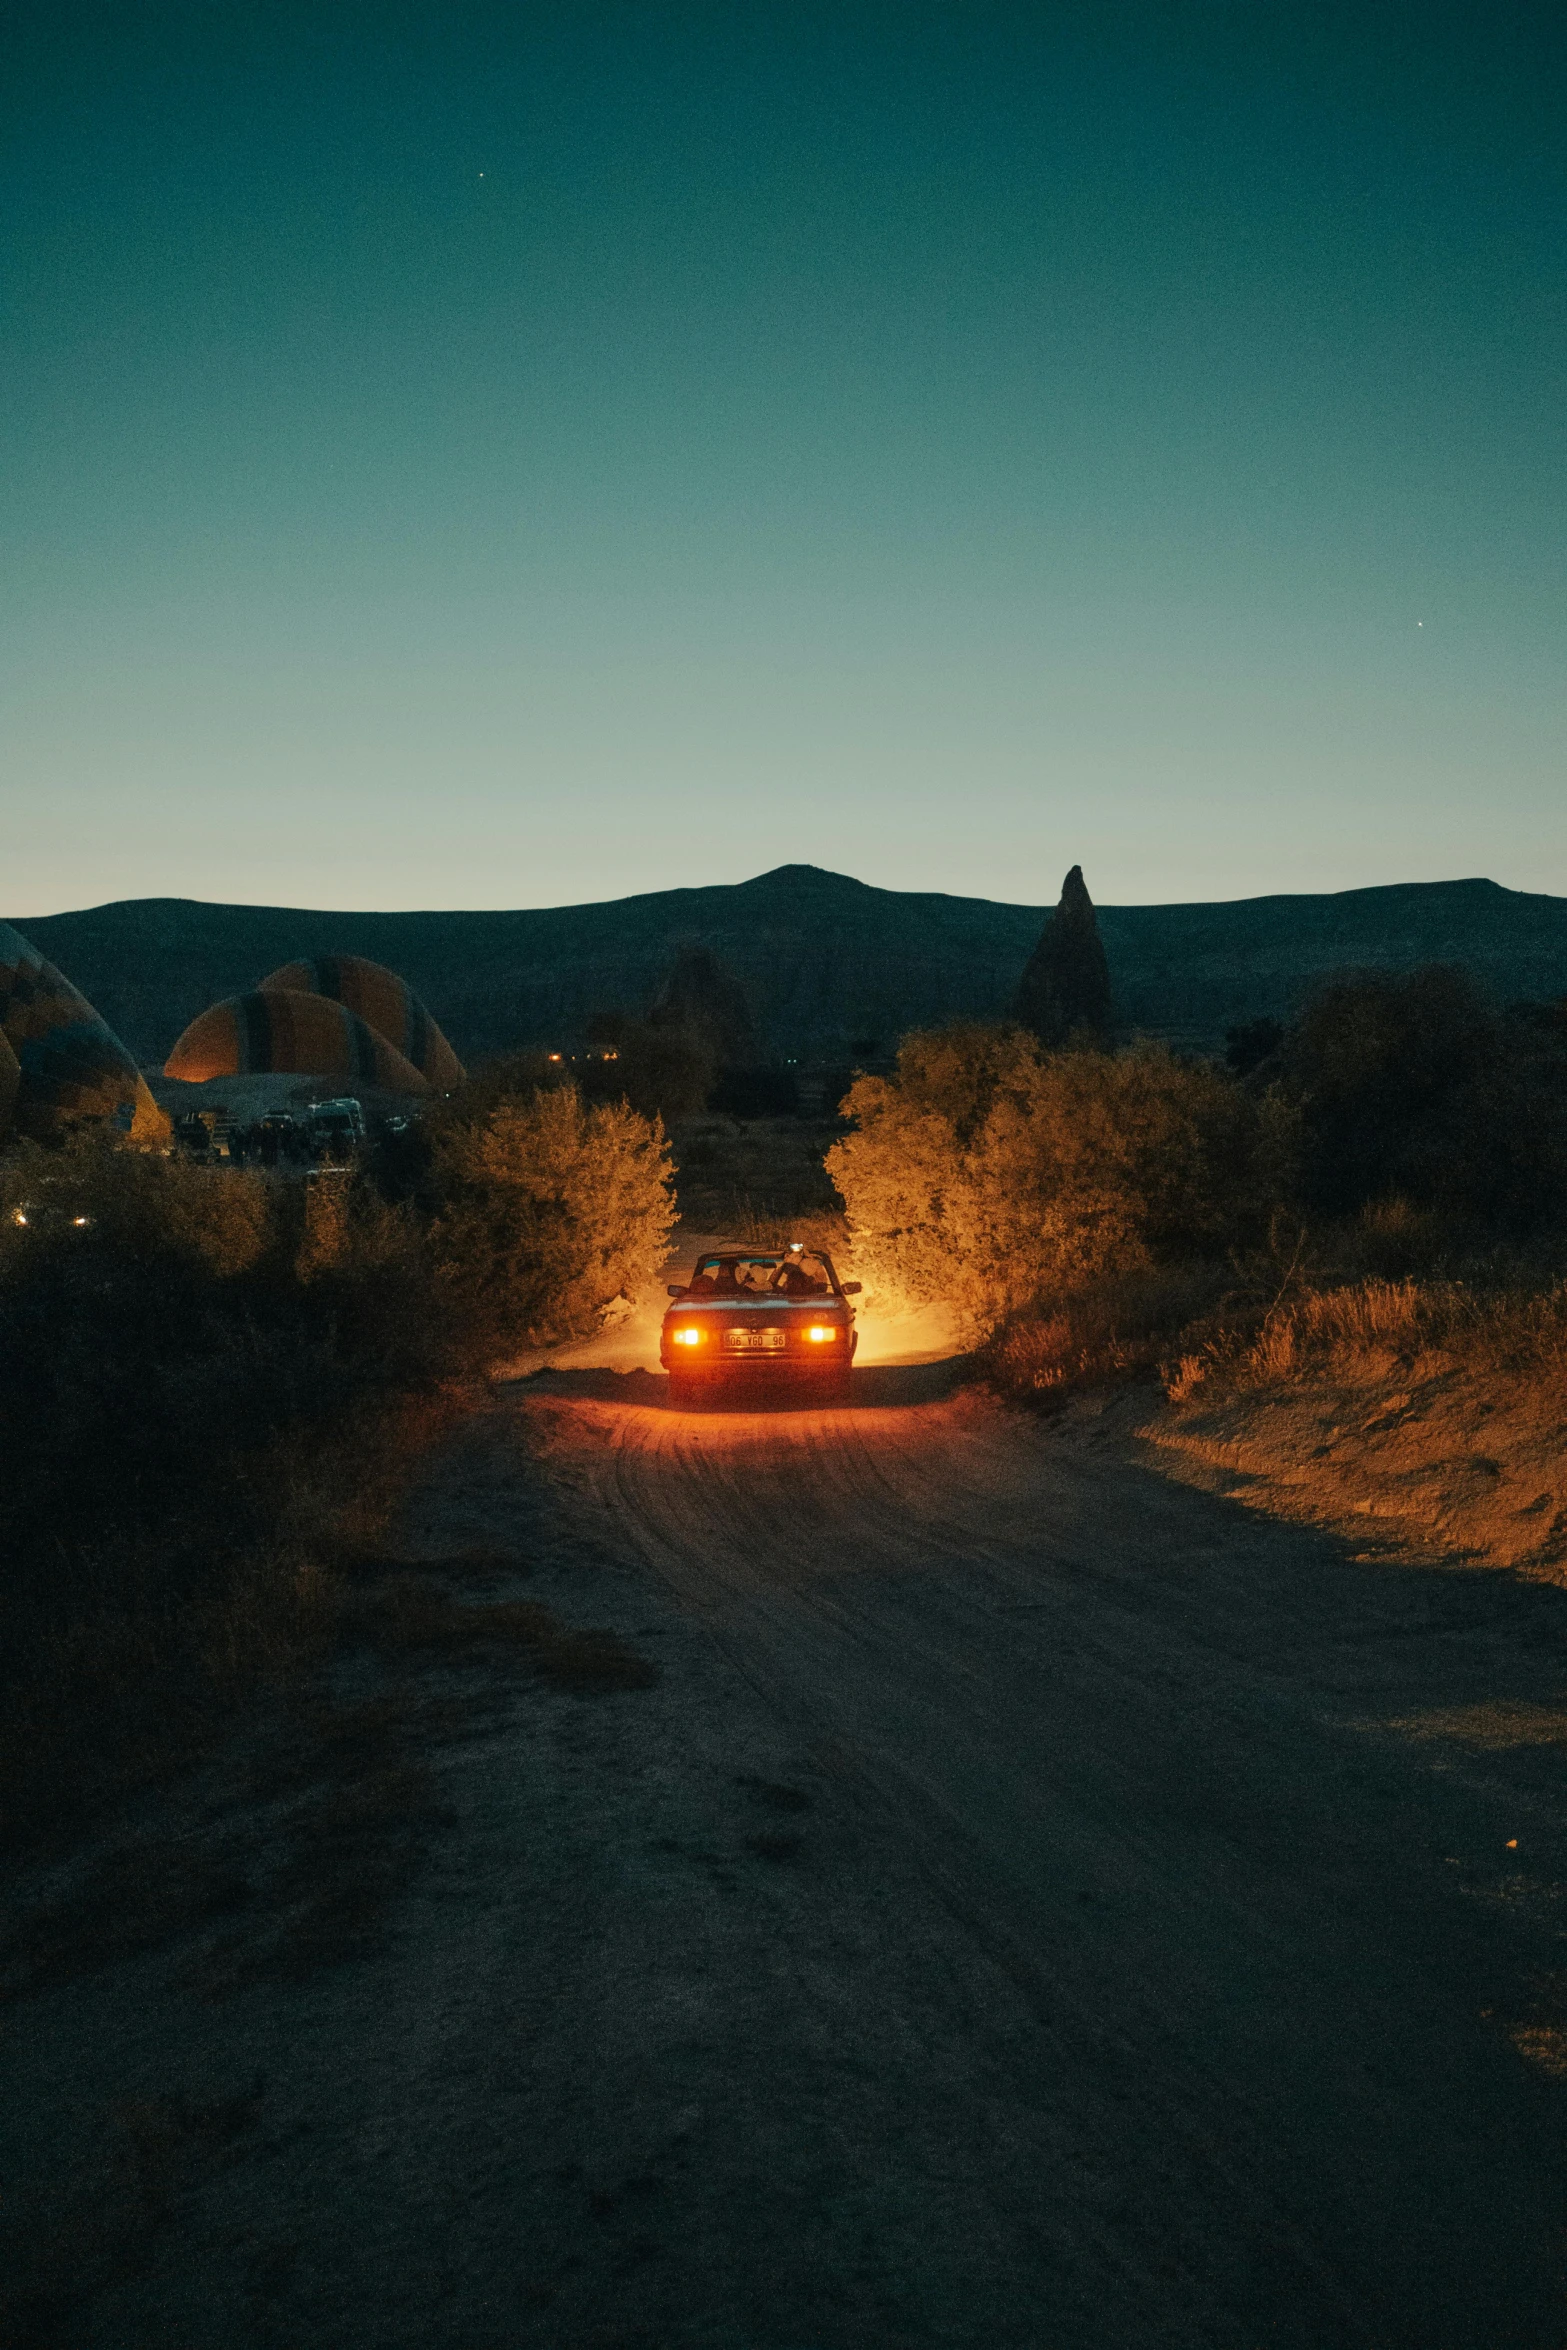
x,y
836,970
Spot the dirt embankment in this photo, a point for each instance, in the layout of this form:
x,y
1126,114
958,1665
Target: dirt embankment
x,y
1446,1445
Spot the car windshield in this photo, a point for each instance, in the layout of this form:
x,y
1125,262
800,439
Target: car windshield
x,y
738,1273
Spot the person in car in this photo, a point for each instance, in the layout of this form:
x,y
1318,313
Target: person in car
x,y
719,1280
794,1281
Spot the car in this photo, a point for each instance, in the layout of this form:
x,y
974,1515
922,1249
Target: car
x,y
274,1139
336,1130
753,1319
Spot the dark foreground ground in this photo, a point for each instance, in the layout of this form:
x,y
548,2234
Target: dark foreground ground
x,y
1038,1904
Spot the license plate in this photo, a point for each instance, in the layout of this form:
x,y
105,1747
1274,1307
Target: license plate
x,y
760,1342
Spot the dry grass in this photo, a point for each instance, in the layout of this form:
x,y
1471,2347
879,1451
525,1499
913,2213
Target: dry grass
x,y
166,1636
1379,1326
224,1390
295,1876
1099,1336
1428,1416
226,1380
1544,2046
756,1226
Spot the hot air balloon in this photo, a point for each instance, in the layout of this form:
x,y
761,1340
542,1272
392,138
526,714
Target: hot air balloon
x,y
70,1064
281,1031
387,1002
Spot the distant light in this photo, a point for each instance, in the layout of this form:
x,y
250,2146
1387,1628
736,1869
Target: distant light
x,y
554,1056
21,1216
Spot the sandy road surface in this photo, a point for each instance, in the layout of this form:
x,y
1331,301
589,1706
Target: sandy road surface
x,y
1129,1745
1040,1904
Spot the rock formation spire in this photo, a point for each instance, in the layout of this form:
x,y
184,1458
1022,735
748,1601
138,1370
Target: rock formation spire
x,y
1065,988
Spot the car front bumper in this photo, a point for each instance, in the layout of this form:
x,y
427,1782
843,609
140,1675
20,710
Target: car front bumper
x,y
720,1363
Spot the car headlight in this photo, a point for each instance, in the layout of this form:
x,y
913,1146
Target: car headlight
x,y
820,1333
686,1337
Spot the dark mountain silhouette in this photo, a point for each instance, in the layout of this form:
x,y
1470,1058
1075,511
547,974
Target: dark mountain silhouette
x,y
832,969
1065,987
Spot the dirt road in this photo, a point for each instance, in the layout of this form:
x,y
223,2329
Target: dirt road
x,y
1039,1905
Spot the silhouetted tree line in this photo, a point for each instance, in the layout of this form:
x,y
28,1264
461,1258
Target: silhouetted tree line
x,y
994,1167
1415,1086
1412,1086
695,1048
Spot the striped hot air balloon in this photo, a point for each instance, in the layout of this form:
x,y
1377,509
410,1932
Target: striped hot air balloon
x,y
281,1032
70,1064
387,1002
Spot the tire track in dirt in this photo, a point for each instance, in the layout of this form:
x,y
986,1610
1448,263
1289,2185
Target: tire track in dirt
x,y
1112,1720
1036,1905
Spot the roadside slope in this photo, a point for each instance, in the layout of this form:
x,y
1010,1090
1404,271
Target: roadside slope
x,y
1424,1423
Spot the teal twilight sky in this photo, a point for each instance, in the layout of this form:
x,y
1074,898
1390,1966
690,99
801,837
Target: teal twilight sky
x,y
480,456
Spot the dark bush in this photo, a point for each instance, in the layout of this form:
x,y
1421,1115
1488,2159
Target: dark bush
x,y
212,1382
1414,1087
183,1352
707,1004
1251,1044
755,1093
660,1071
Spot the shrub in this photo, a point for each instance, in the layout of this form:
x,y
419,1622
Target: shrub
x,y
987,1173
547,1208
1414,1086
702,1001
1251,1044
213,1380
1119,1328
660,1070
196,1380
